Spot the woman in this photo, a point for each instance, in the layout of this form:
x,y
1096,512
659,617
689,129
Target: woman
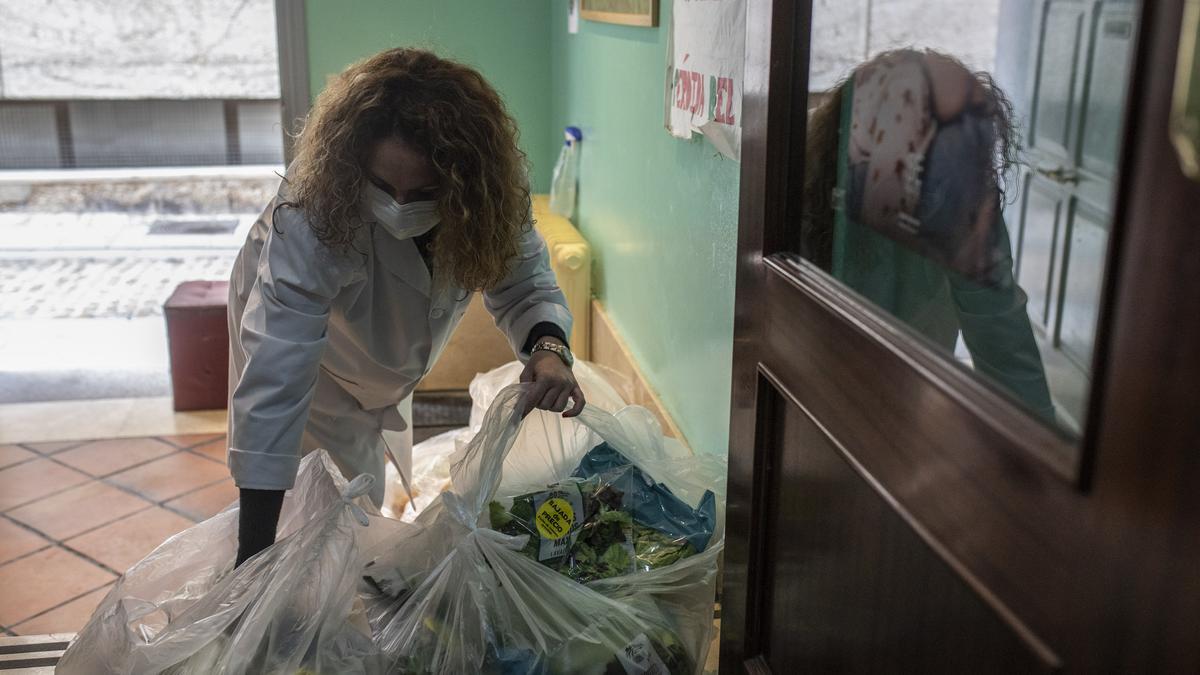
x,y
408,193
902,203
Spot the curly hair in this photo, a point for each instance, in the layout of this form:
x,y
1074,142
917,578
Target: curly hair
x,y
821,150
449,112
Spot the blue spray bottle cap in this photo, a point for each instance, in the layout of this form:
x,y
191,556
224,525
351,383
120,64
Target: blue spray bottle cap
x,y
572,135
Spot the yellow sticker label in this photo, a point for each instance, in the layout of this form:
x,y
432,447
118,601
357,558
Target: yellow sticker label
x,y
555,518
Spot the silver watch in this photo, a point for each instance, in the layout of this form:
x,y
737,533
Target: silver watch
x,y
561,350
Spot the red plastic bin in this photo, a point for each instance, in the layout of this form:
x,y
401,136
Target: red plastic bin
x,y
198,341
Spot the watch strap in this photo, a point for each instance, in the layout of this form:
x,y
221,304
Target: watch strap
x,y
562,351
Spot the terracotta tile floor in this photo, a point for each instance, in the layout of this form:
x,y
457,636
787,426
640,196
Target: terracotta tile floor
x,y
73,516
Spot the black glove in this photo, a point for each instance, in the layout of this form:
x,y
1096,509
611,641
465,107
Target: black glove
x,y
257,519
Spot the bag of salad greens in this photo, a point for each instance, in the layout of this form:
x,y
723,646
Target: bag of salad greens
x,y
608,518
457,595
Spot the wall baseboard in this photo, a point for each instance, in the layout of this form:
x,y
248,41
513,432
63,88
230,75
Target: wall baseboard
x,y
611,351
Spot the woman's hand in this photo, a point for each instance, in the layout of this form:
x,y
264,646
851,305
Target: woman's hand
x,y
553,384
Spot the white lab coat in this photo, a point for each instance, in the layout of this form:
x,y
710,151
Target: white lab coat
x,y
326,349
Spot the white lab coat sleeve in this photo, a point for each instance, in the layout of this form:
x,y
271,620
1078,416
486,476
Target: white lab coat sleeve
x,y
528,296
283,336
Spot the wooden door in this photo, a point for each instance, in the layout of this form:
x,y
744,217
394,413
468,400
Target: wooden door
x,y
890,512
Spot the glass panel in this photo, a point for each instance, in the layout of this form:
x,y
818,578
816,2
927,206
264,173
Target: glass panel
x,y
1081,292
259,132
1057,73
1102,117
961,166
28,136
1035,273
148,133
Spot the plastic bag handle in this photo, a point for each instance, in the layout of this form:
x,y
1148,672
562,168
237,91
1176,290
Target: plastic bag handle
x,y
485,454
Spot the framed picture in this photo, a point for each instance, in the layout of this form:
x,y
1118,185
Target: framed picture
x,y
627,12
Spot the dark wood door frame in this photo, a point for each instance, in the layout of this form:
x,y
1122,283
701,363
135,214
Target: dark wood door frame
x,y
1110,537
776,36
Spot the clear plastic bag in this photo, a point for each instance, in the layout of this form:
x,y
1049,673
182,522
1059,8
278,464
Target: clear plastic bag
x,y
551,445
488,609
603,388
292,608
456,596
430,475
682,592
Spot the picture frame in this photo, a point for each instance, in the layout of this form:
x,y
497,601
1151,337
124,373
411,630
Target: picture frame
x,y
625,12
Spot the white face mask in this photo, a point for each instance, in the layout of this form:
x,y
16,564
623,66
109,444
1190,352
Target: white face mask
x,y
402,221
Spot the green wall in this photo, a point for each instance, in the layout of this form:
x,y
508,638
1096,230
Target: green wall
x,y
660,213
507,40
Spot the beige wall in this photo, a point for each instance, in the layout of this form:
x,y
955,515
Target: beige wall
x,y
478,346
610,350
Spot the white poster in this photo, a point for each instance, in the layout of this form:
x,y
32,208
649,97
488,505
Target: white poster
x,y
704,71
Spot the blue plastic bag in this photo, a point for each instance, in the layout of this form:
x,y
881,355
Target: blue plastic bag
x,y
651,503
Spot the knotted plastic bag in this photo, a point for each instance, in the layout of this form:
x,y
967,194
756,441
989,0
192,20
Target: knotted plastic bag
x,y
292,608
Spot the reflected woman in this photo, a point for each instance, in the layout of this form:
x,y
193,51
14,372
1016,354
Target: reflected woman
x,y
903,187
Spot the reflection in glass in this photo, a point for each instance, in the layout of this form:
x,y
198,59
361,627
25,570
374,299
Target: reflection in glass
x,y
981,223
903,202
